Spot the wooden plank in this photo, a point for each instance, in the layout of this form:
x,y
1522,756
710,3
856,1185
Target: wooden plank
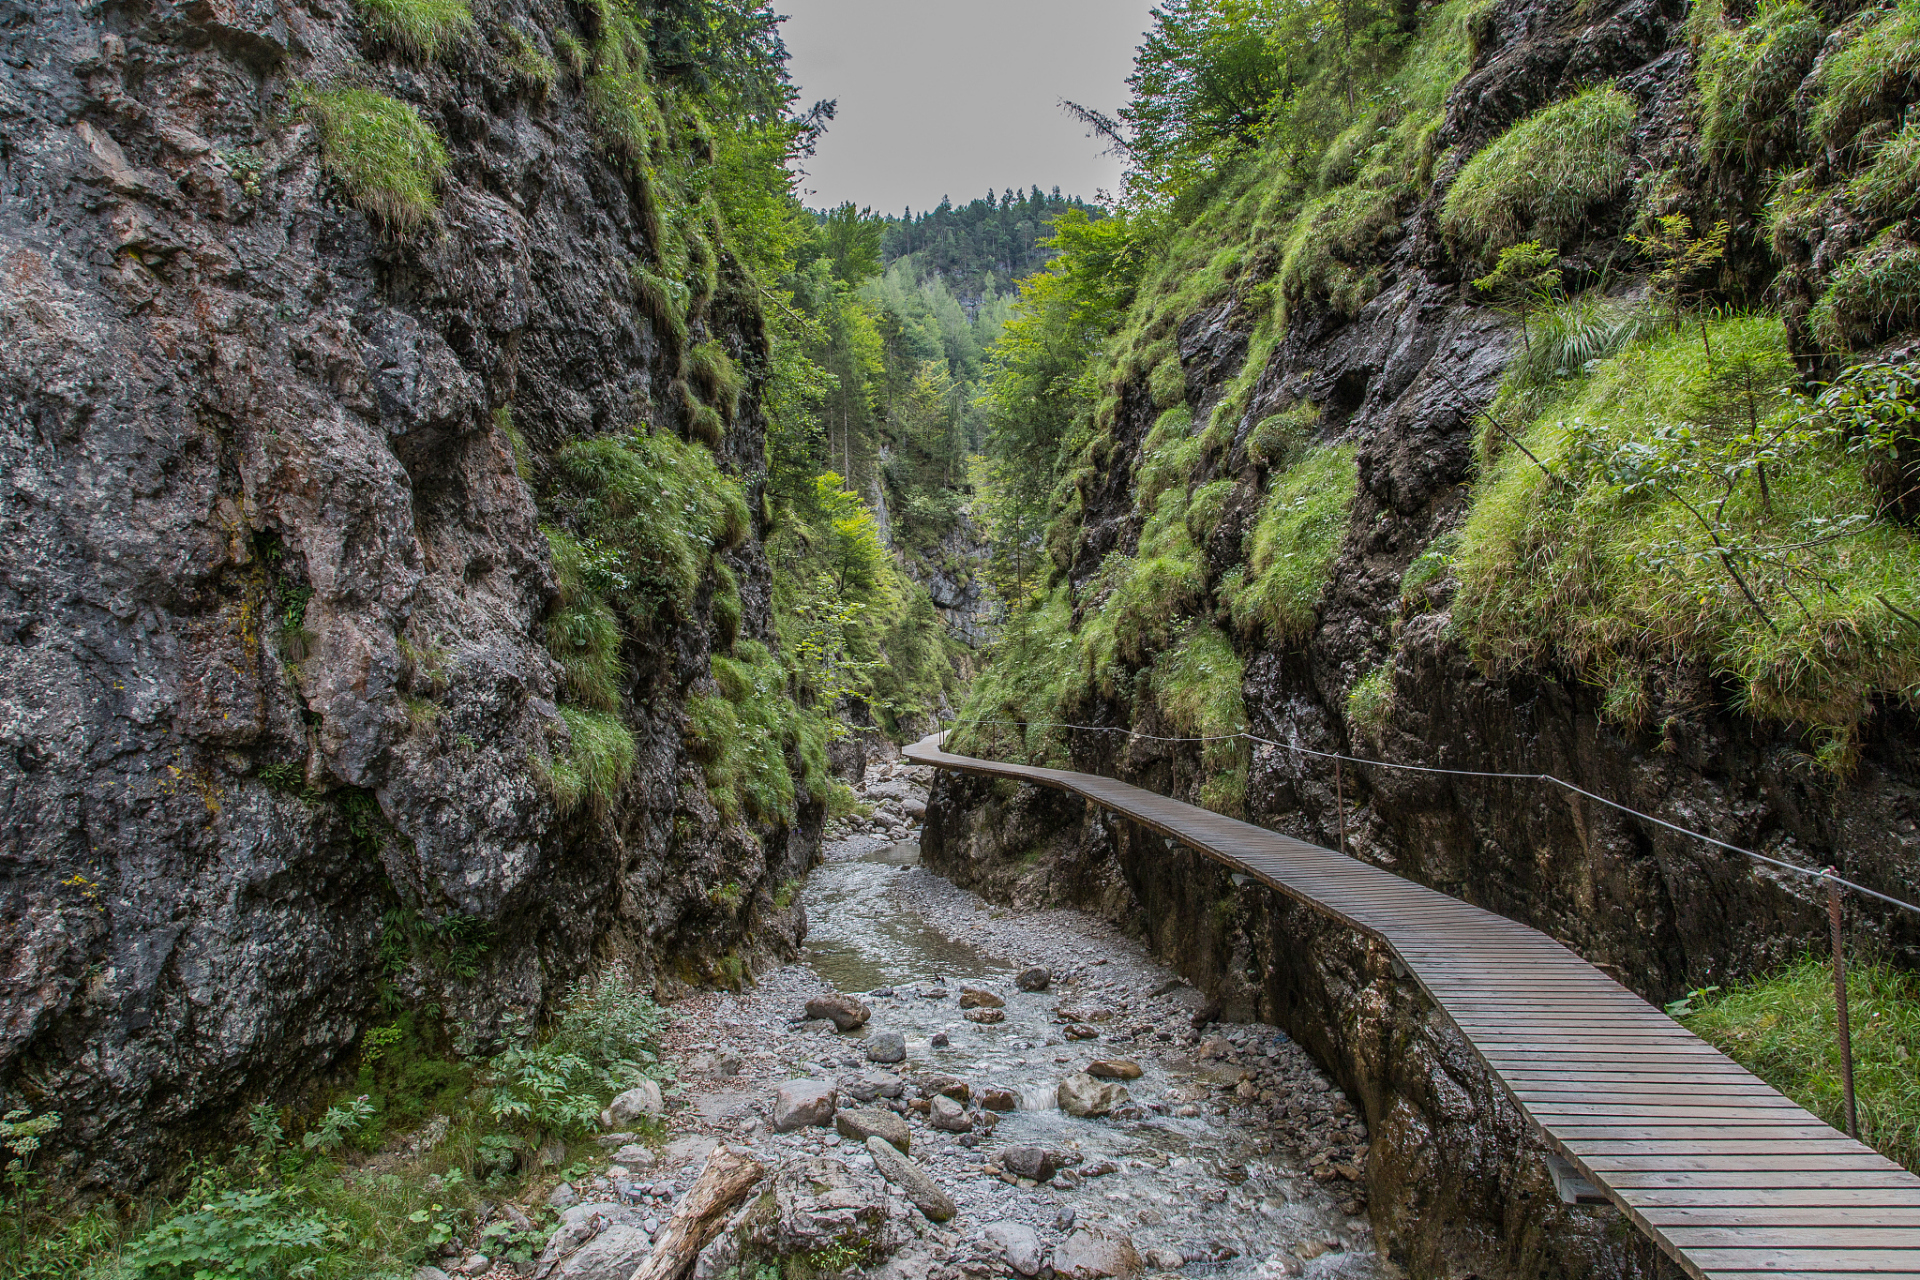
x,y
1781,1216
1783,1199
1859,1236
1849,1261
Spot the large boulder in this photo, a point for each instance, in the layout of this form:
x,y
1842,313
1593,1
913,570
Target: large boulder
x,y
886,1046
644,1099
821,1204
1114,1069
601,1241
845,1012
1019,1243
800,1103
979,998
927,1195
1034,979
1090,1255
1037,1163
949,1115
1081,1095
999,1100
861,1123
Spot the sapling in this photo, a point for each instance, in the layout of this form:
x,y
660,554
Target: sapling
x,y
1526,277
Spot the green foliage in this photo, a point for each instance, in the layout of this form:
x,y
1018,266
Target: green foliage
x,y
1748,77
424,28
389,159
1294,545
599,758
237,1235
649,510
1700,514
1526,278
1877,69
1539,179
606,1039
1196,683
1877,292
1327,250
719,379
742,737
583,634
1781,1028
532,66
341,1120
1279,438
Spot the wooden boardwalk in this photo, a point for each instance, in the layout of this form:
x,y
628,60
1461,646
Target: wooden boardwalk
x,y
1730,1178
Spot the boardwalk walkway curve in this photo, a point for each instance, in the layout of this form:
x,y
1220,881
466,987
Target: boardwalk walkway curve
x,y
1730,1178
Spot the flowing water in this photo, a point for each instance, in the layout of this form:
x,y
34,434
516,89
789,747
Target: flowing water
x,y
1224,1196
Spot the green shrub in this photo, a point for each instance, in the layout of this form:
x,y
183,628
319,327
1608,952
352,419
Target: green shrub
x,y
597,762
389,159
1875,293
1167,457
1280,437
1748,77
1538,179
1294,545
1205,508
605,1040
1196,683
625,115
1890,187
236,1235
424,28
1876,70
1782,1029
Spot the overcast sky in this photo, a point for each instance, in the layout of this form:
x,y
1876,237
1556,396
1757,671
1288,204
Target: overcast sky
x,y
953,97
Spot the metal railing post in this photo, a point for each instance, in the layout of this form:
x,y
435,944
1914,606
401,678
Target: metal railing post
x,y
1340,802
1841,1028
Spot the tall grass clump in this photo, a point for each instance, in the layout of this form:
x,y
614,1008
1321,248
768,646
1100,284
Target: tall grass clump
x,y
742,737
424,28
1196,682
599,759
1890,186
1876,70
1332,234
384,153
583,634
1539,178
1292,549
1876,293
1782,1029
1748,76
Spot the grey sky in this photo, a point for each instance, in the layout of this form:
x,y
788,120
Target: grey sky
x,y
952,97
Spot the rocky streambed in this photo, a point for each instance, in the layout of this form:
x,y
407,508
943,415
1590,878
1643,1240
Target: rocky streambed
x,y
1066,1105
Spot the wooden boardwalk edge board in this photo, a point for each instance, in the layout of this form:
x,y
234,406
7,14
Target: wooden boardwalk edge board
x,y
1728,1176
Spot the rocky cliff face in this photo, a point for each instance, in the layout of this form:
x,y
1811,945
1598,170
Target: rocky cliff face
x,y
275,695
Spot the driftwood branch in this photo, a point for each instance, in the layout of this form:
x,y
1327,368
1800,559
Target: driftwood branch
x,y
723,1184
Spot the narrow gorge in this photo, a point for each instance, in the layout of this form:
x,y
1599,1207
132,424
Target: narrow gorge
x,y
479,539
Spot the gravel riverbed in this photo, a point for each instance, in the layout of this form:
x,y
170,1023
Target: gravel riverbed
x,y
1229,1154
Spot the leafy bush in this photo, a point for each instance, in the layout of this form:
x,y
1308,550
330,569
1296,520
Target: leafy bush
x,y
1875,293
605,1040
1782,1029
1294,544
1539,178
424,28
1876,70
236,1235
1748,76
389,159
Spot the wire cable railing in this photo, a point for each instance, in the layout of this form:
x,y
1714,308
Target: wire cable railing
x,y
1830,875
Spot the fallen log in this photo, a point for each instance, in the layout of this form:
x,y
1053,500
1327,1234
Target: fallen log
x,y
721,1185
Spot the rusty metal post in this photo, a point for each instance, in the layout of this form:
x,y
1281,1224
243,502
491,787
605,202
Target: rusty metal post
x,y
1340,801
1841,1027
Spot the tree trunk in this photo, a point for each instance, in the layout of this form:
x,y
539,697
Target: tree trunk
x,y
723,1184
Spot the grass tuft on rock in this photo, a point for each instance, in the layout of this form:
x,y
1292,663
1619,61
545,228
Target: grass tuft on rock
x,y
424,28
386,155
598,761
1748,77
1869,74
1876,293
1291,551
1539,179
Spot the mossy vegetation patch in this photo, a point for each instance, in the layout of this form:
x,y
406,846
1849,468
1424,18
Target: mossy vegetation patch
x,y
423,28
383,152
1291,550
